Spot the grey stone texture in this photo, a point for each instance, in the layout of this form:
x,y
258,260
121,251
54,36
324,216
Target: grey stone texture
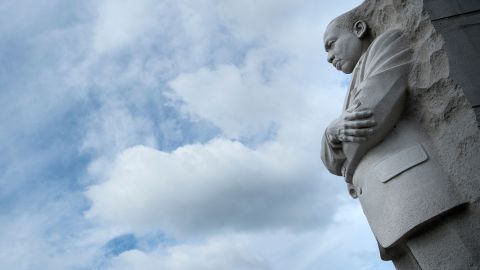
x,y
441,9
418,175
459,23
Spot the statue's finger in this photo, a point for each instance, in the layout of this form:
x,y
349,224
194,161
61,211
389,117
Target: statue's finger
x,y
346,138
358,115
356,139
360,124
359,132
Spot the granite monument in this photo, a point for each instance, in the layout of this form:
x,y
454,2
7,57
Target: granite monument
x,y
407,142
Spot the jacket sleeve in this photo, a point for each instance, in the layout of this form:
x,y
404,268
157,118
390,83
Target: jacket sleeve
x,y
332,155
382,90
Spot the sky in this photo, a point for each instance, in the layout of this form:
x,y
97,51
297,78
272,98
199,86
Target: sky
x,y
172,135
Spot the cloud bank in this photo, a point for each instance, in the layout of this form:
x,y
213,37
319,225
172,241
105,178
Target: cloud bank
x,y
192,127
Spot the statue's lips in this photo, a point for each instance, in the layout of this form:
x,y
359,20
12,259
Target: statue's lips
x,y
338,64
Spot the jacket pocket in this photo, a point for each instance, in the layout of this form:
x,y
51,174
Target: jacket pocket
x,y
399,162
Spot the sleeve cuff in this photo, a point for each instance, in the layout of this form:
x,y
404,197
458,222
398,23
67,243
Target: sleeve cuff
x,y
335,144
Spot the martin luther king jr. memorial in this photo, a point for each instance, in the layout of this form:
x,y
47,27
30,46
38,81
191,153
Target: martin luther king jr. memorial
x,y
407,143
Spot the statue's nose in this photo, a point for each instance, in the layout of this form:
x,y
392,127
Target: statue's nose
x,y
330,58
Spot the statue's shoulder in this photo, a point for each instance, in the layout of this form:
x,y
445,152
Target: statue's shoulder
x,y
389,49
391,33
390,39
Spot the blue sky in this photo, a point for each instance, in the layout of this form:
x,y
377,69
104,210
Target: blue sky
x,y
176,135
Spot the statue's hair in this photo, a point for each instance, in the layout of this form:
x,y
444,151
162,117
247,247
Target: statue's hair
x,y
347,20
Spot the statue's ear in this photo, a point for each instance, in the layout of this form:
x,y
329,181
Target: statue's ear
x,y
360,28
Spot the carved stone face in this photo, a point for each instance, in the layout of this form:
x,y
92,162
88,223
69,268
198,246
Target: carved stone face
x,y
344,47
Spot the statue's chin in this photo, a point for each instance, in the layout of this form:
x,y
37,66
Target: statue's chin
x,y
347,71
347,68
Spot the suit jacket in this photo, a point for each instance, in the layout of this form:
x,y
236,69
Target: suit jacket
x,y
394,173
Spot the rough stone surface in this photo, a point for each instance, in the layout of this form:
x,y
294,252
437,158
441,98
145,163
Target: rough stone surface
x,y
447,8
459,23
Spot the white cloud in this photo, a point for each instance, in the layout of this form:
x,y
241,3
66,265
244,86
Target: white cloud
x,y
36,238
114,128
217,194
246,67
236,100
272,19
219,186
220,253
342,245
122,22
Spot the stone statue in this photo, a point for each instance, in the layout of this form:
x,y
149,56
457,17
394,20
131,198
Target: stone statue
x,y
387,158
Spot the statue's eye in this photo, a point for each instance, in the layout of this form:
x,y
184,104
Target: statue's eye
x,y
329,45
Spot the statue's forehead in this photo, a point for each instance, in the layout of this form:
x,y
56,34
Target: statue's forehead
x,y
331,32
334,30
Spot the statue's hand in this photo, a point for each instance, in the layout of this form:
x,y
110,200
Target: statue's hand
x,y
354,126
